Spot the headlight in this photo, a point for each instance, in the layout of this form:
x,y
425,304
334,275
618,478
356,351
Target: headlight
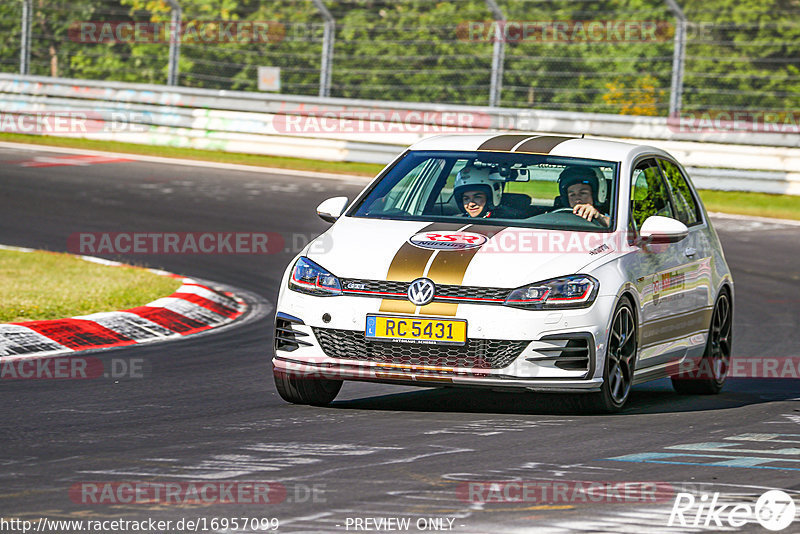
x,y
310,278
578,291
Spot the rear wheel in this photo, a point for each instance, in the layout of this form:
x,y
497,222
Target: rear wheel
x,y
713,370
619,364
305,390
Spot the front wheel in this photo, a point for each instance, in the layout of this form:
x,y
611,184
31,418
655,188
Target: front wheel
x,y
713,370
306,390
619,365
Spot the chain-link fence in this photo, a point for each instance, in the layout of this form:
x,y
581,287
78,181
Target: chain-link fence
x,y
575,55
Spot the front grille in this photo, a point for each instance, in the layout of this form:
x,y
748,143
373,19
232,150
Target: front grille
x,y
472,292
444,293
376,285
477,353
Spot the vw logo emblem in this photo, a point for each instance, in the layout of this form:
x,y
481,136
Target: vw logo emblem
x,y
421,291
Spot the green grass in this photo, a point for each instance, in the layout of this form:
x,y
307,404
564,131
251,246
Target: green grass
x,y
758,204
539,189
48,285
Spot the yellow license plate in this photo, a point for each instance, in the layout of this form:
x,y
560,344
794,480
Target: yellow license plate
x,y
416,330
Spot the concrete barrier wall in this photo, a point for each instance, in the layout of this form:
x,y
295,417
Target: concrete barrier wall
x,y
335,129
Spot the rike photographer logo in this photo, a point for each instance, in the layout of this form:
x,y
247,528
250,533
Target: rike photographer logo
x,y
774,510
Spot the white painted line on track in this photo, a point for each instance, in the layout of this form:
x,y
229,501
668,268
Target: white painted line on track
x,y
189,162
752,218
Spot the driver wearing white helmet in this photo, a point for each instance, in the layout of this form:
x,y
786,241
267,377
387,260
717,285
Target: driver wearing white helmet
x,y
478,195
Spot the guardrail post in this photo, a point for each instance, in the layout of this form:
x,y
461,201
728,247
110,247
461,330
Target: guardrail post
x,y
678,59
326,65
174,42
25,44
498,54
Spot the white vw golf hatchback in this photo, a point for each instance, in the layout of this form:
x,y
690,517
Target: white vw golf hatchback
x,y
511,262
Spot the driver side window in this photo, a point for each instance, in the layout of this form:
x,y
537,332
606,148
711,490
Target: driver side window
x,y
648,193
411,192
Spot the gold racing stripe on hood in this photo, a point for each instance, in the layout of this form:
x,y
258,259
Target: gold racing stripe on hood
x,y
439,308
409,264
449,267
397,306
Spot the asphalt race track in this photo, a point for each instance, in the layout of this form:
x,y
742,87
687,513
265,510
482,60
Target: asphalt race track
x,y
204,409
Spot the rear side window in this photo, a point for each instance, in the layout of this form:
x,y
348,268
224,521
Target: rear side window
x,y
649,193
685,205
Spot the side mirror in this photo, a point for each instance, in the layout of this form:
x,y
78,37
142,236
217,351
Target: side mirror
x,y
332,209
656,229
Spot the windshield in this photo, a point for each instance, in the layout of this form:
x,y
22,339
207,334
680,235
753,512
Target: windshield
x,y
525,190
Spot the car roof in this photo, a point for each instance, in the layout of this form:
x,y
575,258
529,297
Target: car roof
x,y
532,143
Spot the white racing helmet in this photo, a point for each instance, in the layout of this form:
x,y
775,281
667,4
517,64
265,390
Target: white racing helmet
x,y
482,179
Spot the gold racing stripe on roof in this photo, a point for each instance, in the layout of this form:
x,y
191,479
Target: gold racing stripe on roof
x,y
503,142
542,145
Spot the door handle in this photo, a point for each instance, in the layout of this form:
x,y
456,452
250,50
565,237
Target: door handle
x,y
690,252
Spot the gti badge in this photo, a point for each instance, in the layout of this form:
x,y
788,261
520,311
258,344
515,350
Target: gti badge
x,y
355,285
421,291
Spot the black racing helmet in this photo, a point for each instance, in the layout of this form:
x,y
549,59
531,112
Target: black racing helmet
x,y
579,174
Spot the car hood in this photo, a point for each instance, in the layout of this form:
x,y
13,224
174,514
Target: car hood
x,y
375,249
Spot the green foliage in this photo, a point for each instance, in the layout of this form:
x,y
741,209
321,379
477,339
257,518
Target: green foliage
x,y
739,55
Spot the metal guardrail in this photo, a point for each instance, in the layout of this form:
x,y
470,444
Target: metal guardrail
x,y
279,125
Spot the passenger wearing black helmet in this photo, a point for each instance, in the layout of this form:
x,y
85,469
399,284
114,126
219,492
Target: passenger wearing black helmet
x,y
583,189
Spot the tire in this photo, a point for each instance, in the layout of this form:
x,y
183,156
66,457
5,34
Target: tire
x,y
619,365
305,390
715,363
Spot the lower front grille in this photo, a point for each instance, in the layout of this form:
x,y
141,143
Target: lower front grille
x,y
285,335
571,352
477,353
